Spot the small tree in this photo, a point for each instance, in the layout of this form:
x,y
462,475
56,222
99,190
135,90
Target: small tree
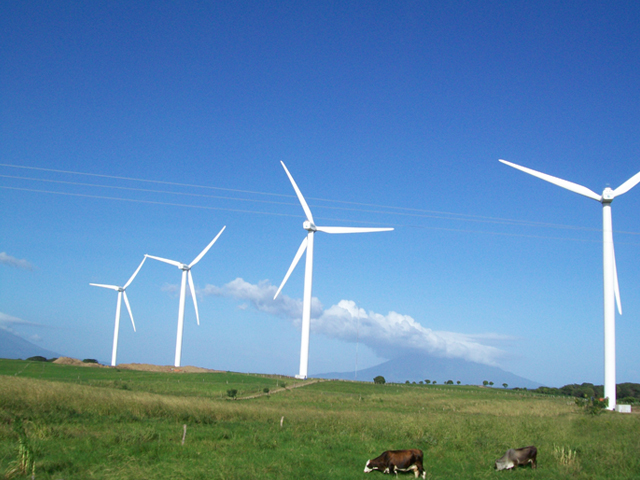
x,y
491,384
37,358
379,380
485,382
265,389
458,382
434,382
427,382
449,382
505,385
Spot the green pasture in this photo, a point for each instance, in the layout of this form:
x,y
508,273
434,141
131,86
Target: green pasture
x,y
66,422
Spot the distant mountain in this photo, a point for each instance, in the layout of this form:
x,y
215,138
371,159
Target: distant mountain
x,y
12,346
423,367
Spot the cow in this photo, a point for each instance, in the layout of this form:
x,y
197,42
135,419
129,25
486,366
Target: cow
x,y
517,456
394,461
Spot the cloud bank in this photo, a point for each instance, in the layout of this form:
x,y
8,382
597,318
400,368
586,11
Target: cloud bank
x,y
389,335
14,262
7,322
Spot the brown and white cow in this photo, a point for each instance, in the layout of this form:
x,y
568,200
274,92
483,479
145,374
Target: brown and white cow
x,y
517,456
394,461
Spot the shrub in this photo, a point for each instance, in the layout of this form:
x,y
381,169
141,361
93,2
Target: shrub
x,y
593,405
90,360
232,393
37,358
379,380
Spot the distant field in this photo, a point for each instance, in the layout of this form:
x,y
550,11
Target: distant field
x,y
93,423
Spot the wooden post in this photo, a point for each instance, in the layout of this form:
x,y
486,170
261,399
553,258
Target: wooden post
x,y
281,421
184,433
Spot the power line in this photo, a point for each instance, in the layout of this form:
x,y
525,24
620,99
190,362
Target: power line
x,y
418,213
256,212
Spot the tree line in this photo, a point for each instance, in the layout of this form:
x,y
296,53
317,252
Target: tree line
x,y
626,393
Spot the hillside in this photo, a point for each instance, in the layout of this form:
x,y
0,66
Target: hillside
x,y
416,368
13,346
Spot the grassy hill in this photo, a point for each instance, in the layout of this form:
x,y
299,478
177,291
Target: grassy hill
x,y
103,423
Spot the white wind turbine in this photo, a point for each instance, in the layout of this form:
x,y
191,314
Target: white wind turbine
x,y
307,244
186,273
121,293
610,274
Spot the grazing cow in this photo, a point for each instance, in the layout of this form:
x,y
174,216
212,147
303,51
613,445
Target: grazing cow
x,y
517,456
394,461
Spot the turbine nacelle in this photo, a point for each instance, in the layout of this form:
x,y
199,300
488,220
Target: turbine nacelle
x,y
608,195
309,227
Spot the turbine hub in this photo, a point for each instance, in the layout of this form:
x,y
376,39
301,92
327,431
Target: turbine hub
x,y
308,226
607,195
184,267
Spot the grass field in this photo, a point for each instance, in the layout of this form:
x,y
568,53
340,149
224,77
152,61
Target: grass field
x,y
91,423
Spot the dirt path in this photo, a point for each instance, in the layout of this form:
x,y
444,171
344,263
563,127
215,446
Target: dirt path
x,y
280,390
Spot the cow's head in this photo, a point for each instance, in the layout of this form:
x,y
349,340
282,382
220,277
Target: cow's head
x,y
366,467
503,464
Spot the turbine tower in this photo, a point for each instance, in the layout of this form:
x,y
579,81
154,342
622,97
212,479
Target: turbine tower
x,y
121,293
186,273
610,274
307,244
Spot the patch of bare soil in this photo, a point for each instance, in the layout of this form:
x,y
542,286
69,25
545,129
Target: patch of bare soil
x,y
145,367
75,362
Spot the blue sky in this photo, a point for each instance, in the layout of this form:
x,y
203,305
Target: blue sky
x,y
145,127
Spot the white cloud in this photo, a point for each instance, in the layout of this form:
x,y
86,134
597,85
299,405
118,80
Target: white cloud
x,y
389,335
14,262
171,289
261,297
6,320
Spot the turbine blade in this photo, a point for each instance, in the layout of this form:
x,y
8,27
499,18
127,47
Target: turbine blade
x,y
303,202
351,229
204,252
110,287
296,259
126,302
134,274
628,185
170,262
573,187
616,286
193,295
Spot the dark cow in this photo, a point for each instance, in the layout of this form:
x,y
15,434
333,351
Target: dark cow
x,y
394,461
517,456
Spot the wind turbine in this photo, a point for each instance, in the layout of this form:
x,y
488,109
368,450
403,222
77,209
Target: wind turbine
x,y
610,274
307,244
121,293
186,273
